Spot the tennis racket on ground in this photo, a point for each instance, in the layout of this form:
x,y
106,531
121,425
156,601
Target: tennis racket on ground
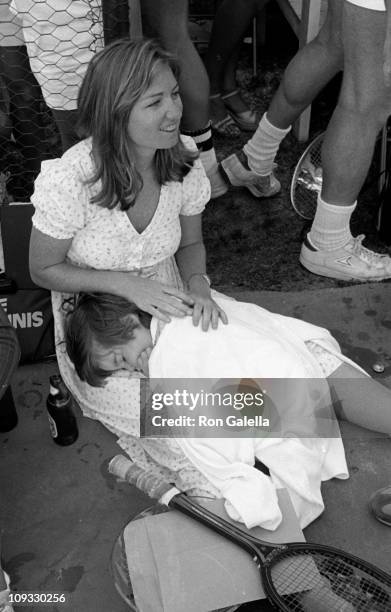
x,y
296,577
307,180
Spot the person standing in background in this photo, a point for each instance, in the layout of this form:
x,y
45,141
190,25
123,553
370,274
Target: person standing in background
x,y
229,112
121,211
168,21
60,43
355,38
20,112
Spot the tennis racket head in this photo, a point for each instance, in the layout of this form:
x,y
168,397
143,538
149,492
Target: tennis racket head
x,y
307,180
304,577
297,577
316,578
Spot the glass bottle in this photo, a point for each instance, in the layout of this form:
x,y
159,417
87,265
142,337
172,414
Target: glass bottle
x,y
62,421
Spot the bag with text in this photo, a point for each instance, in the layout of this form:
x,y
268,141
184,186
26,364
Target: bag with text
x,y
28,306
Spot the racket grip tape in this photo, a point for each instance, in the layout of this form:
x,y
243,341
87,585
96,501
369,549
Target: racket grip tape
x,y
150,484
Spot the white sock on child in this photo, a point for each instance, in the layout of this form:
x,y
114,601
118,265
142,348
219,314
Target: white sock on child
x,y
331,227
262,148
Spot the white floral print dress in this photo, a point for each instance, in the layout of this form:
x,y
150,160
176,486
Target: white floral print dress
x,y
105,239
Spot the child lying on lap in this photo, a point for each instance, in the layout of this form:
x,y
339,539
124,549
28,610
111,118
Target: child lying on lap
x,y
107,335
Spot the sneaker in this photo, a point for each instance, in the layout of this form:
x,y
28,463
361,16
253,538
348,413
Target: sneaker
x,y
350,262
239,176
218,185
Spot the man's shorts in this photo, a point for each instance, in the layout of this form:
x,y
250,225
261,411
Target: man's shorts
x,y
374,5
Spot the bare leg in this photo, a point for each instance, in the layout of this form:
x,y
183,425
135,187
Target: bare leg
x,y
363,107
309,71
233,16
229,76
361,399
167,19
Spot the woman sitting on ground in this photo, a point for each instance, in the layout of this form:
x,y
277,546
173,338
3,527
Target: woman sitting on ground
x,y
121,212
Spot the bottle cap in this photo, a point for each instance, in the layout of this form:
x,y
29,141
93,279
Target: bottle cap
x,y
118,466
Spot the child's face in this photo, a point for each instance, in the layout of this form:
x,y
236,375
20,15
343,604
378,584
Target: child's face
x,y
123,356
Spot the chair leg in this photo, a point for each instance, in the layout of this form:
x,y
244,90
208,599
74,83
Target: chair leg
x,y
261,27
383,157
135,23
255,46
383,215
310,21
301,127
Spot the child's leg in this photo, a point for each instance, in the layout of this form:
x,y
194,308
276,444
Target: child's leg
x,y
360,399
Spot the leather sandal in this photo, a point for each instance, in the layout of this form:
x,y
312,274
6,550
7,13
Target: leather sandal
x,y
246,120
225,126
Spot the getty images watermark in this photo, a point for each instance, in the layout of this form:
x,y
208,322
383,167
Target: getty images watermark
x,y
236,408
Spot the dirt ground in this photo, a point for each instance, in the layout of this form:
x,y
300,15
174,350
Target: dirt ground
x,y
255,244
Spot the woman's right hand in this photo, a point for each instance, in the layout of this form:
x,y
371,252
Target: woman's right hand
x,y
158,299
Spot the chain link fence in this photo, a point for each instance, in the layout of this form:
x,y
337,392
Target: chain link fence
x,y
45,47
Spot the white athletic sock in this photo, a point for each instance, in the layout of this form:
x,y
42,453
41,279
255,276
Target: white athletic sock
x,y
209,160
331,227
204,142
262,148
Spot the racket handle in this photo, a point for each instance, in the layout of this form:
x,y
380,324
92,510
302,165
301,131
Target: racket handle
x,y
154,486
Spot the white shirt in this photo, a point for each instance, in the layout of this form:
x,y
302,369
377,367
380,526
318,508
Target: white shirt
x,y
60,43
11,34
374,5
260,345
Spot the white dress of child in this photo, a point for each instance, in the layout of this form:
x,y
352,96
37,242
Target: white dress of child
x,y
257,344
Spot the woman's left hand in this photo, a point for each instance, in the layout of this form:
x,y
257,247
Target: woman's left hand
x,y
205,309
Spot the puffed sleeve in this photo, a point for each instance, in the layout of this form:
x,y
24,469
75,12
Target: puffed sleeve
x,y
195,186
60,199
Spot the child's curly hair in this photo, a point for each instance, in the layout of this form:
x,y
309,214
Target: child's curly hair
x,y
106,319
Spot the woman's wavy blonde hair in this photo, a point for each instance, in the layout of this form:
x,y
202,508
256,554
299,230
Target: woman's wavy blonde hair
x,y
115,79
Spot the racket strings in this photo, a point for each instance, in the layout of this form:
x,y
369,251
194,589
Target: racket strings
x,y
321,582
307,182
